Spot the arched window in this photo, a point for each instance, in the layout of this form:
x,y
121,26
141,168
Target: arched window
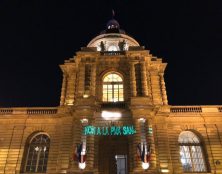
x,y
191,152
36,156
112,88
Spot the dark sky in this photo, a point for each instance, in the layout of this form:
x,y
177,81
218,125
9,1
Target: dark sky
x,y
38,35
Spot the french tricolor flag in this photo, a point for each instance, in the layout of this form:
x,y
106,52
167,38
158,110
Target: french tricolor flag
x,y
80,153
143,153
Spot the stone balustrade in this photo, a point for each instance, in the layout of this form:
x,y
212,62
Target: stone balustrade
x,y
111,53
195,109
182,109
55,110
29,111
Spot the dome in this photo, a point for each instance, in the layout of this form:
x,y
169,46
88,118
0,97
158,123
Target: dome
x,y
112,39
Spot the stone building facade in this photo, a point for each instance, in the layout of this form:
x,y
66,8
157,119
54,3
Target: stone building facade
x,y
113,118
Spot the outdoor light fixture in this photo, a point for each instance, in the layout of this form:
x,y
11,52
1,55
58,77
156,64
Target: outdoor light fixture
x,y
82,165
84,120
70,104
85,95
165,170
145,165
114,115
142,120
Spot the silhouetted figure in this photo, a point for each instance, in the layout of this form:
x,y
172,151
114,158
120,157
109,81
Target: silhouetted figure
x,y
102,46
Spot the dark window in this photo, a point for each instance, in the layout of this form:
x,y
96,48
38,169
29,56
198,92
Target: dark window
x,y
87,77
138,79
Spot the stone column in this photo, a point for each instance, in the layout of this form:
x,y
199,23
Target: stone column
x,y
156,88
150,142
132,79
81,80
90,151
163,89
70,92
136,140
63,90
77,133
144,79
148,81
93,80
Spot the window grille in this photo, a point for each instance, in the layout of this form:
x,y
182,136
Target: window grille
x,y
191,152
37,151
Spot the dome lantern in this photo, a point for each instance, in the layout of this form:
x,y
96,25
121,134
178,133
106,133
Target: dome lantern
x,y
112,39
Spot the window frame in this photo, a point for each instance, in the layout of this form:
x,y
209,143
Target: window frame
x,y
115,88
194,153
39,153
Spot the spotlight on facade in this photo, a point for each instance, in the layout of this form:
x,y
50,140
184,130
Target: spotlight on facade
x,y
114,115
82,165
84,120
85,96
145,165
142,120
165,170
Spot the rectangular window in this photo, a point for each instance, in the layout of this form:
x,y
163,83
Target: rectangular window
x,y
87,77
138,79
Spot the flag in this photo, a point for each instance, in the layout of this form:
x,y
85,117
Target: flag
x,y
138,150
79,156
142,154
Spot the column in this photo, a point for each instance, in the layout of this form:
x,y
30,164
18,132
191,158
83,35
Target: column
x,y
156,88
77,133
90,152
88,146
144,79
70,91
150,141
81,80
136,140
93,80
132,79
144,144
149,83
163,89
63,90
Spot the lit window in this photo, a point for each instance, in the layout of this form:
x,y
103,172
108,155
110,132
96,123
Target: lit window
x,y
191,152
112,88
112,48
36,156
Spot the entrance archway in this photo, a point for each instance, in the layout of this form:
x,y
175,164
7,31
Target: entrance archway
x,y
113,155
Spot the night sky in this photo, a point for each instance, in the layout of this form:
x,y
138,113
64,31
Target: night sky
x,y
38,35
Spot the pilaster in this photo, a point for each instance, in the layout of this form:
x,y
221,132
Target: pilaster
x,y
132,79
93,80
81,80
156,89
63,90
70,93
163,89
144,79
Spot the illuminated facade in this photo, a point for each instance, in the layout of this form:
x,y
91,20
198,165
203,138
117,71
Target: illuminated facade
x,y
113,118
